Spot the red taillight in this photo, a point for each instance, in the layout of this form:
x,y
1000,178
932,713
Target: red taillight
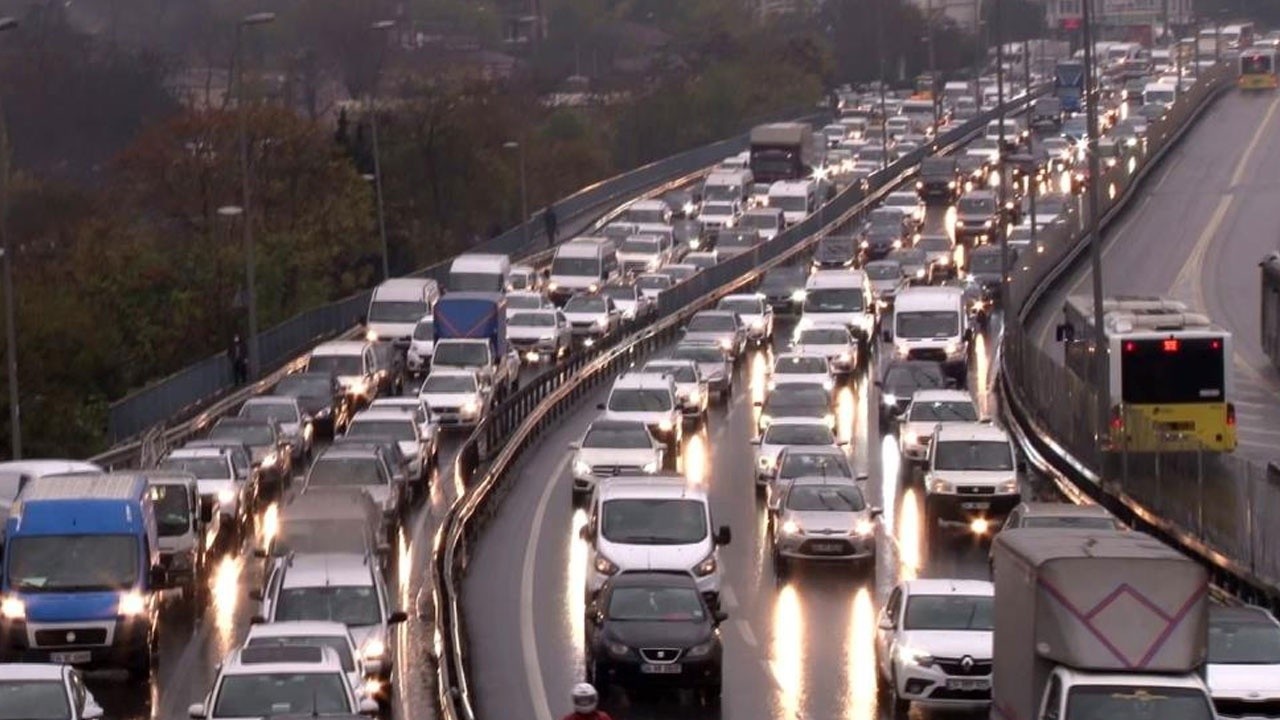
x,y
1216,344
1231,415
1117,418
1171,345
1130,346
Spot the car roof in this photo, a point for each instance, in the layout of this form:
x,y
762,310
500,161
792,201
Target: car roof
x,y
328,569
1063,509
815,422
382,414
662,485
755,297
281,658
970,431
642,380
343,452
942,395
714,313
340,347
815,450
1240,615
31,671
271,400
297,628
820,480
793,356
948,586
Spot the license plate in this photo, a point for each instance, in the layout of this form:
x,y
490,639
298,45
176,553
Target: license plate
x,y
669,669
966,684
827,547
975,505
71,658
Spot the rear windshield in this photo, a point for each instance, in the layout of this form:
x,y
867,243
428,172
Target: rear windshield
x,y
346,472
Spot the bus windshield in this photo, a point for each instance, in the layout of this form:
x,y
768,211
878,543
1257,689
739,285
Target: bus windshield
x,y
1172,370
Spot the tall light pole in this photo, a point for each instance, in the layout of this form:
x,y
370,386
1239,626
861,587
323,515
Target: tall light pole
x,y
1034,182
379,29
1095,246
524,190
884,119
250,271
933,64
1002,170
10,310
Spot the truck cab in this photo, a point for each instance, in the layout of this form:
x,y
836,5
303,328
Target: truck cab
x,y
180,529
82,572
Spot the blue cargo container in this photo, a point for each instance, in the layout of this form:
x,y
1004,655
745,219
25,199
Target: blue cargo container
x,y
473,316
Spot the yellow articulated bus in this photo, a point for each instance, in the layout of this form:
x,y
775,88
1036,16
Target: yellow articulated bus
x,y
1258,69
1169,373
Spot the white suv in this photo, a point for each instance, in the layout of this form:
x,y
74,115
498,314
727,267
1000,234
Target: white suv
x,y
653,522
651,399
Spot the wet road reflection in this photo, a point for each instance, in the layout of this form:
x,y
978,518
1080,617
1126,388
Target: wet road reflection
x,y
577,577
860,659
227,596
786,662
697,455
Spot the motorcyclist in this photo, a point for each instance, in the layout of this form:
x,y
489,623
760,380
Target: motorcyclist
x,y
585,700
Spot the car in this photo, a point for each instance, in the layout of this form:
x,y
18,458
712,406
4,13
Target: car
x,y
983,274
592,318
321,398
389,369
651,285
456,397
353,362
610,448
648,629
835,252
46,691
222,505
692,390
650,399
520,300
793,368
722,328
914,262
346,588
796,400
1244,661
361,673
365,470
832,341
630,301
798,461
1061,515
733,242
680,272
766,221
939,252
272,681
643,253
422,346
789,432
294,423
933,644
539,335
419,450
524,277
753,313
325,520
181,534
684,202
718,214
270,454
702,260
712,364
783,287
653,522
878,242
971,477
927,410
886,278
822,519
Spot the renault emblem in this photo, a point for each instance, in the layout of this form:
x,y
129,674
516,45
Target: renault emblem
x,y
71,637
966,663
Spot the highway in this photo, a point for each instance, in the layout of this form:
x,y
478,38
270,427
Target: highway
x,y
1196,232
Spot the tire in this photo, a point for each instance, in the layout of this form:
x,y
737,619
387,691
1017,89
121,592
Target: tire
x,y
710,695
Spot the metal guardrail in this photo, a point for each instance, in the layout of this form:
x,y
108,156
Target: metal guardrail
x,y
517,423
1044,406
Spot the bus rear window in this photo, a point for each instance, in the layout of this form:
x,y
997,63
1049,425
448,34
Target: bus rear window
x,y
1255,64
1172,370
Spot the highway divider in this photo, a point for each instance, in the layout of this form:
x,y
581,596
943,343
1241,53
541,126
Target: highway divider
x,y
513,427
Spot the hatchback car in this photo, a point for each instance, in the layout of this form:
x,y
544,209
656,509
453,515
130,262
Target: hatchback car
x,y
820,519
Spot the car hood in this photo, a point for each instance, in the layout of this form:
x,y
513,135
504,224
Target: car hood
x,y
883,285
1250,682
215,486
175,543
708,336
656,557
56,607
712,370
643,634
581,317
975,477
831,524
827,350
361,634
950,643
447,399
529,333
617,456
649,417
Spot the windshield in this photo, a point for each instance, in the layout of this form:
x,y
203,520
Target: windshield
x,y
283,412
707,354
927,324
712,323
650,216
788,434
631,437
911,257
653,282
637,521
948,612
796,465
462,354
337,643
33,700
800,365
973,205
1160,96
644,246
425,330
475,282
720,192
397,311
204,468
640,400
251,435
972,455
825,498
585,304
790,203
345,472
285,693
620,293
943,411
782,280
69,563
656,604
717,208
346,604
303,386
907,378
335,364
1086,702
884,271
1243,643
824,336
524,302
833,300
532,319
172,507
398,430
449,384
589,267
1076,522
763,221
681,372
743,306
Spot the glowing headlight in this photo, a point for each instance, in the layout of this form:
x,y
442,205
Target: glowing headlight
x,y
790,527
602,323
920,274
726,344
226,496
952,347
651,466
373,649
914,656
269,460
979,526
959,223
553,286
581,468
371,336
1009,486
765,421
864,528
757,323
470,407
706,567
593,287
944,260
13,608
938,485
131,604
372,687
889,399
910,437
798,295
831,420
605,566
766,462
695,243
665,425
844,357
695,396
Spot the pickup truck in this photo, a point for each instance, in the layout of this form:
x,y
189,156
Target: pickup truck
x,y
471,334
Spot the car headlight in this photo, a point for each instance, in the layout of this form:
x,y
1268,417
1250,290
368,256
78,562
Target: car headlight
x,y
951,185
766,462
707,566
605,566
665,425
938,485
798,295
889,399
914,656
553,286
602,323
373,649
725,344
959,223
470,407
698,651
131,604
844,357
581,468
695,396
952,347
920,273
617,648
988,223
269,460
791,527
651,466
226,496
13,608
864,528
1009,486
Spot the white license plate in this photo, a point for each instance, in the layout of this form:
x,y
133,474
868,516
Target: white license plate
x,y
975,505
670,669
77,657
964,684
828,547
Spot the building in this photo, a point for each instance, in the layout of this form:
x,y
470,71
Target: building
x,y
1118,15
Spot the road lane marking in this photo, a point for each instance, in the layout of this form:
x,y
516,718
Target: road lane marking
x,y
1253,144
528,638
727,598
1257,431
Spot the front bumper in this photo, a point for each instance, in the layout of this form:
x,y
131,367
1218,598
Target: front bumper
x,y
966,504
933,687
108,643
701,672
826,548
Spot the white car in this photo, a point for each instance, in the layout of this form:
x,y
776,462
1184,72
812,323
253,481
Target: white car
x,y
910,203
720,214
642,254
632,303
456,397
794,368
404,429
650,399
421,347
263,682
934,640
46,691
1244,662
539,334
714,367
592,317
829,340
720,328
755,314
651,285
789,432
928,409
692,390
610,448
522,300
360,672
971,476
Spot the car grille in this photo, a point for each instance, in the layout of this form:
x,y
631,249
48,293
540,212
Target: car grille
x,y
955,666
975,490
583,327
826,546
69,637
635,266
942,693
660,656
1237,707
614,469
937,354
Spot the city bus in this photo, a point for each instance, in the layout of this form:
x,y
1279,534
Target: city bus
x,y
1169,379
1257,69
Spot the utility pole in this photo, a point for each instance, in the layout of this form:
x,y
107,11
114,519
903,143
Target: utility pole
x,y
1101,384
1002,168
379,29
251,291
10,309
884,126
1033,182
933,65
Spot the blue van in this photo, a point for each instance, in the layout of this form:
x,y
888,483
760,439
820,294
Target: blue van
x,y
81,574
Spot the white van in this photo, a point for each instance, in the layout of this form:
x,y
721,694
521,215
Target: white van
x,y
647,212
920,113
796,199
479,272
583,264
839,297
728,185
767,221
396,306
929,323
1159,94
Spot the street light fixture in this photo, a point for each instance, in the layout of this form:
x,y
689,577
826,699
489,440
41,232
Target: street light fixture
x,y
379,27
524,194
10,309
1095,246
254,19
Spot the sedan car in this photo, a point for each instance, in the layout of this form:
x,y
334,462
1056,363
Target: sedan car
x,y
832,341
783,288
362,469
789,432
272,459
651,285
927,410
901,380
630,301
321,397
522,300
793,368
914,262
714,367
821,519
754,313
939,253
295,424
718,214
807,461
692,390
539,335
402,428
613,447
720,328
456,397
886,278
796,400
45,691
1244,662
592,318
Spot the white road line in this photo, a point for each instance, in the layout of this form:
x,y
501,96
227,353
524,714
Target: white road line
x,y
727,598
1253,144
748,635
1249,415
528,638
1250,404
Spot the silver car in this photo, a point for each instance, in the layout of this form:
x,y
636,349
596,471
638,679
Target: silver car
x,y
692,392
295,425
712,363
789,432
753,312
822,519
831,340
720,328
610,448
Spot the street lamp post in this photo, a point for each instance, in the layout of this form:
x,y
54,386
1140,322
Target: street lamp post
x,y
1034,181
933,65
524,190
251,294
1002,169
379,27
1095,246
10,310
884,124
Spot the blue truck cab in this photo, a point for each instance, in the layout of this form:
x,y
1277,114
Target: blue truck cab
x,y
81,574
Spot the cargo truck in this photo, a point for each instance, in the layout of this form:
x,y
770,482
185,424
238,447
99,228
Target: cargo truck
x,y
782,151
1097,624
471,334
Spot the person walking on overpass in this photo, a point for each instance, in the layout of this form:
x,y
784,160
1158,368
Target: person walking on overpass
x,y
239,360
549,222
585,700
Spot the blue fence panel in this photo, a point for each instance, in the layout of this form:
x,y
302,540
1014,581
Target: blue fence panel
x,y
169,396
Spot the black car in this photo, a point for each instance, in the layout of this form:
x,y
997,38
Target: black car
x,y
939,180
835,252
783,287
901,379
654,629
321,397
269,452
879,242
684,202
984,279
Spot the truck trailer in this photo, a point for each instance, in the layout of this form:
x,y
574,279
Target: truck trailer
x,y
782,151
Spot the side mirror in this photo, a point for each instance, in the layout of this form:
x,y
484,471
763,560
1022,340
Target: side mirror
x,y
368,707
757,403
575,445
255,594
197,711
723,535
260,552
719,616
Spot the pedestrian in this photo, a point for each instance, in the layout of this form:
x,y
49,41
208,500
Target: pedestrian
x,y
239,360
549,220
